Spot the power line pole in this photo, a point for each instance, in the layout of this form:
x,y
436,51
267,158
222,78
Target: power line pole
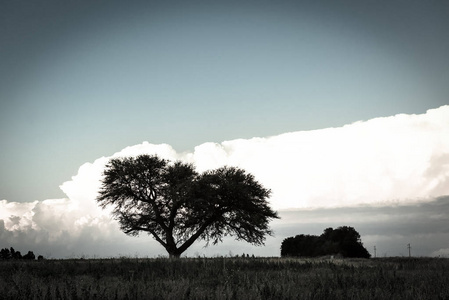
x,y
374,251
409,250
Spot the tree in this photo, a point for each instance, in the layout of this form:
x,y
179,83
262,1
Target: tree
x,y
15,254
177,205
5,254
344,240
30,255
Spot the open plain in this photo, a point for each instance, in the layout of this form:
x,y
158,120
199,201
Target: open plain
x,y
226,278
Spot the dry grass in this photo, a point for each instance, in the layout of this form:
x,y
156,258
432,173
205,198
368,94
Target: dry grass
x,y
226,278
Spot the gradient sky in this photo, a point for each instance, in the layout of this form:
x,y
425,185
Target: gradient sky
x,y
80,80
83,79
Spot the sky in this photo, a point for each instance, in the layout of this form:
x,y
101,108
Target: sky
x,y
339,107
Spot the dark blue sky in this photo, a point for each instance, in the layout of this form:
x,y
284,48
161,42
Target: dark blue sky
x,y
84,79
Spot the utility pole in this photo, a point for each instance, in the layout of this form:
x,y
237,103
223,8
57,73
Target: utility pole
x,y
409,250
374,251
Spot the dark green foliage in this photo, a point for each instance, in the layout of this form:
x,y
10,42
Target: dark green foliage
x,y
225,278
177,205
344,241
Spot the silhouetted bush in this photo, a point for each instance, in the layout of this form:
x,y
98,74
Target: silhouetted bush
x,y
344,241
30,255
15,254
7,254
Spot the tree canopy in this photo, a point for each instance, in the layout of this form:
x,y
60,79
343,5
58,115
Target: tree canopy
x,y
177,205
7,254
344,241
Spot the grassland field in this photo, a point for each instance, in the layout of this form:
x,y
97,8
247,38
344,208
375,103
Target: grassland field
x,y
226,278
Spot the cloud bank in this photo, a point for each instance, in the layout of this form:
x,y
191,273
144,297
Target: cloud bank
x,y
383,160
398,160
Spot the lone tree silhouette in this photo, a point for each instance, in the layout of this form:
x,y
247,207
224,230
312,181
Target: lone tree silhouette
x,y
177,205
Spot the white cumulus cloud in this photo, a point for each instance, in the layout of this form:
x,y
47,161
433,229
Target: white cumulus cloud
x,y
397,159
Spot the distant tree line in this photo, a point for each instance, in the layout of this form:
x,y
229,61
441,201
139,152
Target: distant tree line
x,y
7,254
344,241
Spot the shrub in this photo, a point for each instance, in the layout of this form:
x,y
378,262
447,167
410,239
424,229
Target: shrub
x,y
344,241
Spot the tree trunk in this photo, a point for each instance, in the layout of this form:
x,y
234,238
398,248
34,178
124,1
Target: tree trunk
x,y
174,255
173,251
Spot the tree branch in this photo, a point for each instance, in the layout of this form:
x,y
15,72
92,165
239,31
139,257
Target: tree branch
x,y
150,231
196,235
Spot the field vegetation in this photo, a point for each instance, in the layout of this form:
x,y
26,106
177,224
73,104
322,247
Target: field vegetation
x,y
226,278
